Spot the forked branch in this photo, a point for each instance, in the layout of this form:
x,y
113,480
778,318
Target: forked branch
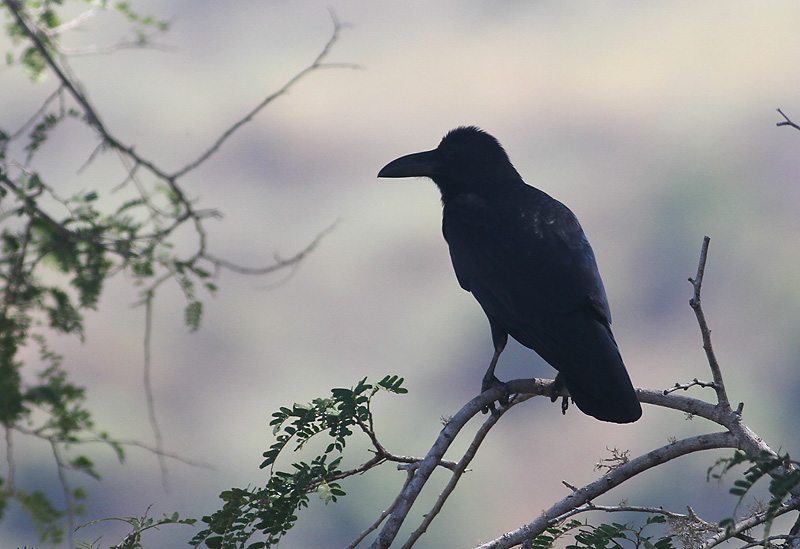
x,y
705,331
736,435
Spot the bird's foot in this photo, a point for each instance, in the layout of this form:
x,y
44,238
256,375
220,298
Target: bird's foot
x,y
491,382
555,393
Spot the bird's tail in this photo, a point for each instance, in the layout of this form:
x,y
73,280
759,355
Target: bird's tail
x,y
618,404
595,374
606,393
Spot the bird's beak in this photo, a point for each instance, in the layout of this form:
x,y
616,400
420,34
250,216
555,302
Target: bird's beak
x,y
423,164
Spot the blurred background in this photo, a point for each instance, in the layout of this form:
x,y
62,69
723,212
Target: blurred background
x,y
654,122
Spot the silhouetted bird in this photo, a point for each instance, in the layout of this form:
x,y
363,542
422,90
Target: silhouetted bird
x,y
524,257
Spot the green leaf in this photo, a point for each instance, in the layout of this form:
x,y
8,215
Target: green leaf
x,y
192,315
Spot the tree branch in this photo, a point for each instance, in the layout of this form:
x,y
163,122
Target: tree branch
x,y
748,523
353,544
461,467
409,494
694,303
315,65
786,121
737,435
687,386
608,481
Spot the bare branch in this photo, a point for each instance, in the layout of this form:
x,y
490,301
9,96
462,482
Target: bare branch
x,y
694,303
636,509
608,481
686,386
745,439
462,466
385,455
315,65
28,123
795,531
353,544
750,522
148,388
93,119
106,441
786,121
409,494
73,23
766,541
279,264
66,487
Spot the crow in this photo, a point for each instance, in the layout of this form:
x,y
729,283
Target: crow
x,y
524,257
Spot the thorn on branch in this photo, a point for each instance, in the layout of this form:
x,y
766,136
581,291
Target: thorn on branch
x,y
570,486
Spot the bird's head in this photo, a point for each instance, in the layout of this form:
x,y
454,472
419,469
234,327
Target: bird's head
x,y
467,160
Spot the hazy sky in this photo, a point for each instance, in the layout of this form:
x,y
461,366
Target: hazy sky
x,y
655,123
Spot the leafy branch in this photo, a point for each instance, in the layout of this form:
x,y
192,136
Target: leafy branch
x,y
139,525
88,238
296,425
271,511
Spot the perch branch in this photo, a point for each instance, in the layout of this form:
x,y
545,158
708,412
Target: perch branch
x,y
409,494
738,435
460,468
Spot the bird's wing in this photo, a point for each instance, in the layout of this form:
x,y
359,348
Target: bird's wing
x,y
527,262
523,252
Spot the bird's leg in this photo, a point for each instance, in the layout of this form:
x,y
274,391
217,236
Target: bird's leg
x,y
558,384
490,381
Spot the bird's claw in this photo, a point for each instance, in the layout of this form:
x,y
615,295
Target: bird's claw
x,y
493,383
555,392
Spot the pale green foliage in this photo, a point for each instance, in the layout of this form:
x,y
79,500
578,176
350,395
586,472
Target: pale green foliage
x,y
271,511
56,254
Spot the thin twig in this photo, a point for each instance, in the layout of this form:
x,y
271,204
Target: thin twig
x,y
69,494
148,388
385,455
279,264
11,474
73,23
632,509
28,123
92,117
98,439
695,304
686,386
786,121
315,65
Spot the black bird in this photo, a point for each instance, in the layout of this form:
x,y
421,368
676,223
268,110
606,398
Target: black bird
x,y
524,257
